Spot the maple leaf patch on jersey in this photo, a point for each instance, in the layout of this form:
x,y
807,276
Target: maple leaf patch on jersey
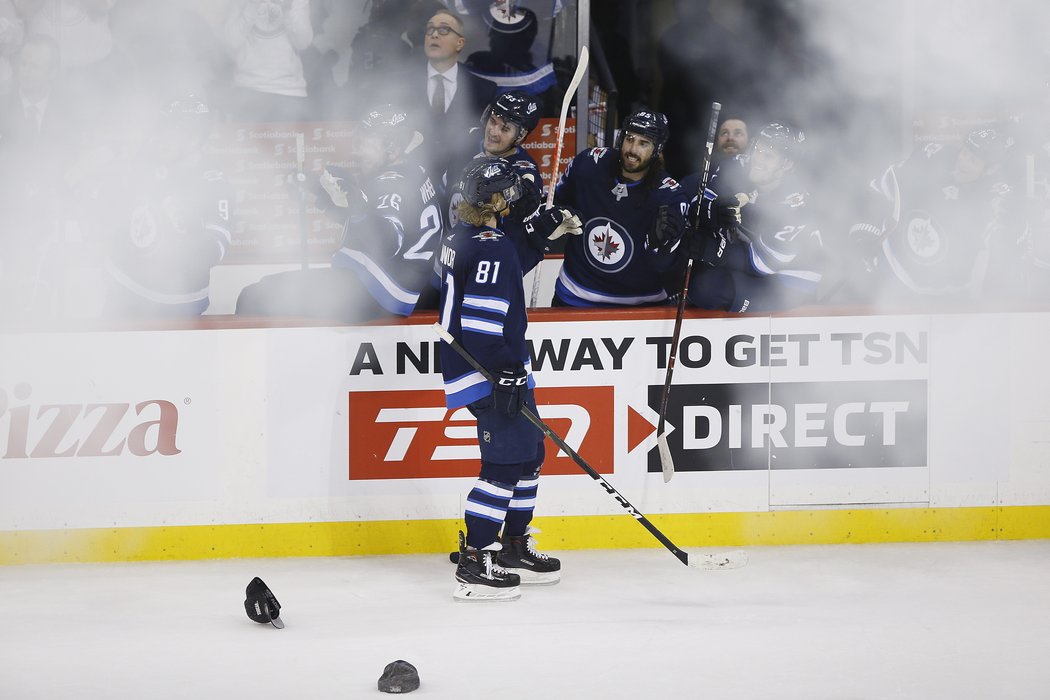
x,y
609,247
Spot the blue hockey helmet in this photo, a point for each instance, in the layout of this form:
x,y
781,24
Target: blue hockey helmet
x,y
516,107
486,176
782,138
651,125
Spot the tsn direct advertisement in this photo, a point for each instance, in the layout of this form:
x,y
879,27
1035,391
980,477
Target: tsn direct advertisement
x,y
749,395
339,423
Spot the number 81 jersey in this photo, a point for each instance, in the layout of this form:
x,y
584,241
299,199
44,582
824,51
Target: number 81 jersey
x,y
482,307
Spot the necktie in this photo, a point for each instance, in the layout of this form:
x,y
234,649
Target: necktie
x,y
438,103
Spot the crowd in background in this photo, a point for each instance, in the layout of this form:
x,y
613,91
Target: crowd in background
x,y
105,106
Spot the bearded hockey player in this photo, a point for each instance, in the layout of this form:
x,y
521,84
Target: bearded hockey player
x,y
634,215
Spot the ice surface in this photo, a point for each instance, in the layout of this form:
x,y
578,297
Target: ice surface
x,y
956,620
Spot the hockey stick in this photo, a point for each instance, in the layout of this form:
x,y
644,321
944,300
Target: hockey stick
x,y
666,463
727,560
300,179
570,93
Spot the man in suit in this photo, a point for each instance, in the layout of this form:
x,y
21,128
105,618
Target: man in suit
x,y
455,97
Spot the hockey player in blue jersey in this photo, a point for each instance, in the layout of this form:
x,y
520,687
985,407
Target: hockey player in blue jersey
x,y
944,225
634,216
483,308
767,255
505,125
393,223
166,212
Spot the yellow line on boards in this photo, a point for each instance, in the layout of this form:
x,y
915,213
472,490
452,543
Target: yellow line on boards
x,y
865,525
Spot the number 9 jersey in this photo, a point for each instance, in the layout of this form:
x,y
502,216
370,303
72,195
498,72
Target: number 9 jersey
x,y
482,307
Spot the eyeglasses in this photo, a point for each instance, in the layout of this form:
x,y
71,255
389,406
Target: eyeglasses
x,y
442,30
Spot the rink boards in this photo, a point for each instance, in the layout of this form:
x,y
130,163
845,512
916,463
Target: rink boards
x,y
275,441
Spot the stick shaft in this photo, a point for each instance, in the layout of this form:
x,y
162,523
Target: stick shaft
x,y
705,173
570,92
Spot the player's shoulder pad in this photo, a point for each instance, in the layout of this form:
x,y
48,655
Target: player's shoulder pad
x,y
932,149
488,235
524,165
669,183
596,153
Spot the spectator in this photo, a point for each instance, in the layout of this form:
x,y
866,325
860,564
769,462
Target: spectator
x,y
392,224
81,27
634,217
731,140
451,96
35,117
170,48
769,255
265,38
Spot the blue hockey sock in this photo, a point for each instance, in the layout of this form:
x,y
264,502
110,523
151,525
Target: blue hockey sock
x,y
485,512
521,507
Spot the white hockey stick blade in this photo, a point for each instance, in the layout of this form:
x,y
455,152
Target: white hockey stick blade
x,y
666,463
719,562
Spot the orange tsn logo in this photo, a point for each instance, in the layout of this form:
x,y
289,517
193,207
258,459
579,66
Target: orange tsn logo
x,y
411,435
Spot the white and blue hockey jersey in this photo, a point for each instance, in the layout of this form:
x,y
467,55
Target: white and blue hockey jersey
x,y
390,242
610,263
482,307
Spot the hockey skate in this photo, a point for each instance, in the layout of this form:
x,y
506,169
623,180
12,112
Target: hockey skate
x,y
480,577
519,556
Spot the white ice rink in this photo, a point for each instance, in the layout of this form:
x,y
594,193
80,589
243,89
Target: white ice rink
x,y
923,621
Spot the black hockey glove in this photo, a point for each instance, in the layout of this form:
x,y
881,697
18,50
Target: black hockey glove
x,y
866,239
531,197
666,230
548,225
508,391
709,247
713,214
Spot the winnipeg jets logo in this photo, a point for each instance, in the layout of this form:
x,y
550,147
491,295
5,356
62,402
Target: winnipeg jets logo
x,y
609,248
488,235
597,153
491,171
924,240
143,228
620,191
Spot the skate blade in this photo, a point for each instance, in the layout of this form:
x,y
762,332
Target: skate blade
x,y
537,578
467,592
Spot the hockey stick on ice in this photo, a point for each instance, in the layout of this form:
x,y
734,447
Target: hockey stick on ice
x,y
726,560
666,463
570,94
